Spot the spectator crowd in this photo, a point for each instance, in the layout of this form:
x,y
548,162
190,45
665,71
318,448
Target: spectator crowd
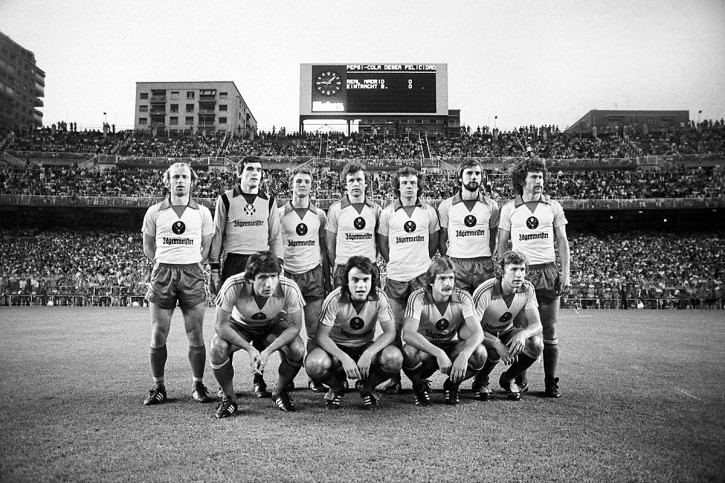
x,y
107,267
548,142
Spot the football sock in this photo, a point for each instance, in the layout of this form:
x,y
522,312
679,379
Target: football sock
x,y
197,359
522,363
429,367
487,368
551,358
415,376
378,375
158,363
287,372
224,375
258,378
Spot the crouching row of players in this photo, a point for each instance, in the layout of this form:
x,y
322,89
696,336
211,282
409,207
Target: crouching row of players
x,y
444,329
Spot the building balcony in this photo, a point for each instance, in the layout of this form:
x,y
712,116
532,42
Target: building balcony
x,y
158,98
205,124
206,111
158,112
37,102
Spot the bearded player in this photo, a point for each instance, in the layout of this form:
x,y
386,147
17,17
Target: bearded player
x,y
499,300
346,341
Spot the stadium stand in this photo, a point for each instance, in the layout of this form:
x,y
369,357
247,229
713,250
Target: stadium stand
x,y
616,270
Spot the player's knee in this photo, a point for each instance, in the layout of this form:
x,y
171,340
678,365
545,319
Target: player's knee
x,y
535,346
391,359
549,333
317,362
218,350
295,351
411,355
478,358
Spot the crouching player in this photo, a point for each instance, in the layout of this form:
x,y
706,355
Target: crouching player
x,y
441,331
499,300
346,344
258,308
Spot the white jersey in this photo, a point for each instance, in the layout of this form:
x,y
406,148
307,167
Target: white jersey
x,y
178,238
408,238
301,238
497,310
532,233
355,231
469,231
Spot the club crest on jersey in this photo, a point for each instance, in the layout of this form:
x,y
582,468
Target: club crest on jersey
x,y
249,210
469,221
532,222
178,227
259,316
505,317
409,226
301,229
442,325
359,223
356,323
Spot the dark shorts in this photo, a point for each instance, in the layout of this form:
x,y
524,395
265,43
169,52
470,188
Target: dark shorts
x,y
185,284
258,335
472,272
545,278
400,291
311,283
340,269
353,352
234,263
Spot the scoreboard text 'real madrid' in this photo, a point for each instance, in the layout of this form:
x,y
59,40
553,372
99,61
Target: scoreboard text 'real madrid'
x,y
374,88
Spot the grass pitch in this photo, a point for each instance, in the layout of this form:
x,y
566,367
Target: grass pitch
x,y
644,400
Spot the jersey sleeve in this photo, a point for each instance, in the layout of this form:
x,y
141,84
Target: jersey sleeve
x,y
467,308
332,216
415,305
531,302
149,221
275,230
504,222
383,224
207,223
293,297
481,301
384,311
558,212
433,224
228,295
329,309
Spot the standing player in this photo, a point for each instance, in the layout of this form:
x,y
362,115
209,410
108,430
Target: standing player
x,y
469,226
441,331
177,234
305,253
258,309
408,239
535,224
346,337
246,221
351,223
498,301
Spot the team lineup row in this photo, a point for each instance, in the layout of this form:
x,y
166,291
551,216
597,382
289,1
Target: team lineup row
x,y
426,310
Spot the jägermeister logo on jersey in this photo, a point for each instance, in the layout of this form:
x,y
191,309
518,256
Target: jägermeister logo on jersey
x,y
249,210
505,317
442,325
469,221
301,229
359,223
532,222
409,226
178,227
356,323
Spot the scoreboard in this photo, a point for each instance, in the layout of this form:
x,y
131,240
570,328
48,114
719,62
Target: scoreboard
x,y
370,89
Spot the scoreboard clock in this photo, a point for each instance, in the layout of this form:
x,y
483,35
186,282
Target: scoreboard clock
x,y
374,88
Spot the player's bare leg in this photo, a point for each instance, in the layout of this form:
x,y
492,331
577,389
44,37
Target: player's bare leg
x,y
194,325
549,315
160,324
